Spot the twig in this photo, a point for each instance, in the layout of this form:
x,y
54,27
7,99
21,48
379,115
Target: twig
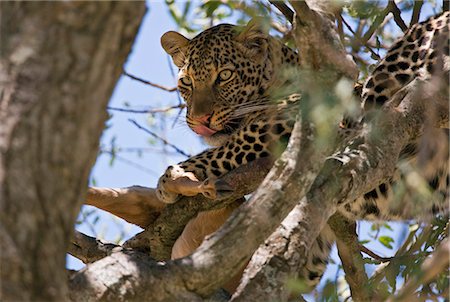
x,y
430,269
135,150
155,110
416,12
164,141
284,9
365,250
169,89
88,249
129,162
375,25
340,28
363,41
397,17
407,250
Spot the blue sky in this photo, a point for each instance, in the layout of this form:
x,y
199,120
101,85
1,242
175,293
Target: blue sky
x,y
150,62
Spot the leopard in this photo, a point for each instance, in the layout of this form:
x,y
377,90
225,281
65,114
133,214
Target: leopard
x,y
227,77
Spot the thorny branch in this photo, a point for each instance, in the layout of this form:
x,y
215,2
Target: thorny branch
x,y
163,140
151,110
169,89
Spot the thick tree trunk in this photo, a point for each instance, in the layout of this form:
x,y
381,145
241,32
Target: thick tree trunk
x,y
58,66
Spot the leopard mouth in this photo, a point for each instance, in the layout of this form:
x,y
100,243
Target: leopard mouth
x,y
217,137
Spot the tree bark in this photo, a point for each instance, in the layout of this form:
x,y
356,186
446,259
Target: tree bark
x,y
59,64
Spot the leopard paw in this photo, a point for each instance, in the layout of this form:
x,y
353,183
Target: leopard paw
x,y
176,182
164,191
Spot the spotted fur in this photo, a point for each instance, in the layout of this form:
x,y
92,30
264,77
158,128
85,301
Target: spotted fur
x,y
227,74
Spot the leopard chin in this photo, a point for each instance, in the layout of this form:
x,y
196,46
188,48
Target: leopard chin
x,y
217,139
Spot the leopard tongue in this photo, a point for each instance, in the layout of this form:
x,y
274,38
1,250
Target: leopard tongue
x,y
203,130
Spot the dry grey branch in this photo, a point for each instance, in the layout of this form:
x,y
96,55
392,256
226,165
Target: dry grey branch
x,y
163,140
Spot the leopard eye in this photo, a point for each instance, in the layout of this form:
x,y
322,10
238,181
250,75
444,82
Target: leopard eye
x,y
186,81
225,75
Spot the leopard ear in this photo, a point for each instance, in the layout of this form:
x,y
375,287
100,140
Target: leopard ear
x,y
175,45
255,34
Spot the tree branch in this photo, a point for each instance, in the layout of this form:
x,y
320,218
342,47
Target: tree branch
x,y
284,9
397,17
356,168
137,205
319,43
162,234
352,261
416,12
365,250
376,24
89,249
193,274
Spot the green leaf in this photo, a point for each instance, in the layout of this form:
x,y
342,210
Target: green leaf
x,y
112,159
386,241
387,226
329,292
210,7
296,285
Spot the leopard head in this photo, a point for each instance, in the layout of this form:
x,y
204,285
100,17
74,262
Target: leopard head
x,y
224,75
